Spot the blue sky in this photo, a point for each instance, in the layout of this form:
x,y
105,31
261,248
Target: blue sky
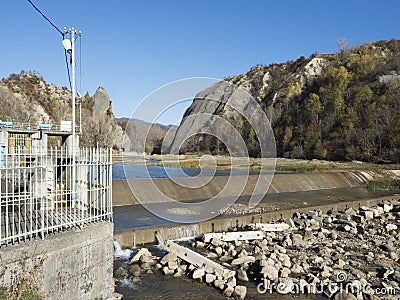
x,y
133,47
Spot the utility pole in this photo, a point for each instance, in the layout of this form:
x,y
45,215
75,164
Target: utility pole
x,y
69,45
80,111
80,115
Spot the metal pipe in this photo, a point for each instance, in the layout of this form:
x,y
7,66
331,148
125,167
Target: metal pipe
x,y
73,118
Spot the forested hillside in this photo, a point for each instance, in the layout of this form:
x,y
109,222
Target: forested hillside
x,y
341,106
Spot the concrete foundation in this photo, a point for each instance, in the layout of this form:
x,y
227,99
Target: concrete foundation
x,y
76,264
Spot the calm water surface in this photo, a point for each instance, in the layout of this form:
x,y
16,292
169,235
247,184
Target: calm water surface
x,y
122,172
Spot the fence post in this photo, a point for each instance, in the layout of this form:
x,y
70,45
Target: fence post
x,y
2,151
109,200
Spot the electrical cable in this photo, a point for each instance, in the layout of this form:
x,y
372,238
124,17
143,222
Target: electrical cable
x,y
59,31
69,76
47,19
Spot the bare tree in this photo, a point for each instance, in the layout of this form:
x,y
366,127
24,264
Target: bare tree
x,y
343,45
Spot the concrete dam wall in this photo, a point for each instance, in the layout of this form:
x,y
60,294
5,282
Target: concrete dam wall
x,y
76,264
281,183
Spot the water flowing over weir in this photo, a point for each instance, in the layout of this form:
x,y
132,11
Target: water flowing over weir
x,y
120,253
281,183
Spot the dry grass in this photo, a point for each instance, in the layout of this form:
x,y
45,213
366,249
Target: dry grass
x,y
282,165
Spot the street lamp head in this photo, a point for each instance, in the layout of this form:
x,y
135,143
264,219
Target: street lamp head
x,y
67,45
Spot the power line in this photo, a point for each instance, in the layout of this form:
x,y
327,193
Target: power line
x,y
46,18
59,31
69,76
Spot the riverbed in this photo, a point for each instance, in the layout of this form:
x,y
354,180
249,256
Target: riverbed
x,y
159,286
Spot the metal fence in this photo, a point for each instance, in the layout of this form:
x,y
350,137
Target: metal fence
x,y
36,190
62,127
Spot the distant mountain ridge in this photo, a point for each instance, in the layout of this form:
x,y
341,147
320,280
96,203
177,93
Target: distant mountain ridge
x,y
125,120
341,106
142,136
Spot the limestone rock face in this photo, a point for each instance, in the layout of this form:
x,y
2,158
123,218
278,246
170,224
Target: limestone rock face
x,y
100,126
229,98
102,103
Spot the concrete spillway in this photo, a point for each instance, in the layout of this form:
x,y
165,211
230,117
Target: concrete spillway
x,y
281,183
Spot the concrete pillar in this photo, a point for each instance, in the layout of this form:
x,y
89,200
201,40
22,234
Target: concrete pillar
x,y
4,137
82,188
74,264
68,142
39,142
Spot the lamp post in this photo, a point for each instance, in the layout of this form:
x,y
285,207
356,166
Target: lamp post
x,y
69,46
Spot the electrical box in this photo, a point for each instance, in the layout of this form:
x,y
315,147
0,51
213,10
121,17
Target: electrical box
x,y
66,126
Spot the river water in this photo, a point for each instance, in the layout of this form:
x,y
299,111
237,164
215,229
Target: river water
x,y
122,172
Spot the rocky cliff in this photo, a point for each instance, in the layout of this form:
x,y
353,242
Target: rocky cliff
x,y
341,106
27,98
102,128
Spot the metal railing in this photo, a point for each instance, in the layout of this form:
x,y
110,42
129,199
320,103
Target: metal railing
x,y
27,126
36,195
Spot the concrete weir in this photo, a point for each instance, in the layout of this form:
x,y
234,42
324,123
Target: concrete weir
x,y
281,183
135,237
76,264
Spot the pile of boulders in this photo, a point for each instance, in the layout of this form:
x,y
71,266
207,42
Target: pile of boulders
x,y
243,209
358,247
142,261
170,264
